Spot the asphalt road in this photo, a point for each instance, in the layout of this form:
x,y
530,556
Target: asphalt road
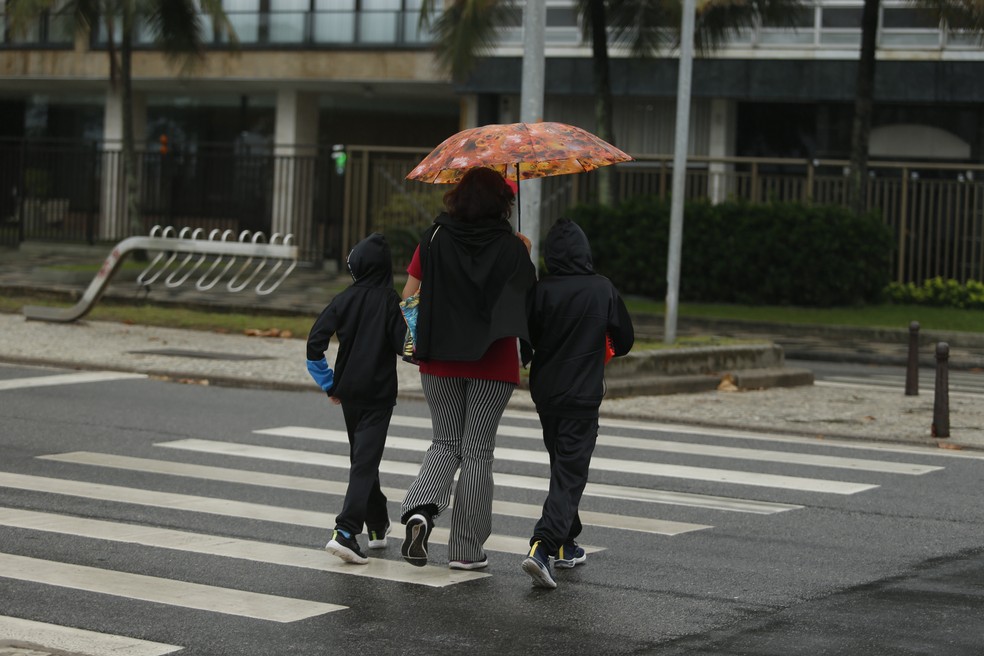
x,y
193,517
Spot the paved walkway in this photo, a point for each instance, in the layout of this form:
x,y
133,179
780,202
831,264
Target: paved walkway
x,y
210,358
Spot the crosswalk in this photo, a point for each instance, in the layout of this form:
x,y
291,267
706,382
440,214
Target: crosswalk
x,y
959,383
648,480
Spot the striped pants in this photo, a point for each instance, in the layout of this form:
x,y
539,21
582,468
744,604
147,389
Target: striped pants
x,y
465,414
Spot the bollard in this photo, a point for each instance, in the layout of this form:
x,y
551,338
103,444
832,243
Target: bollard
x,y
912,369
941,403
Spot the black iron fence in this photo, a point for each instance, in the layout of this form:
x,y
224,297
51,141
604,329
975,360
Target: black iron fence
x,y
75,192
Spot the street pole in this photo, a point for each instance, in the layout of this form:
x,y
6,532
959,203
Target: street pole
x,y
531,111
679,170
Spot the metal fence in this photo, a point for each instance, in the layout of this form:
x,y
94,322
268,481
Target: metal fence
x,y
74,192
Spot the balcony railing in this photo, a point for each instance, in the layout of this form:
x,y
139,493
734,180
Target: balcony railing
x,y
830,25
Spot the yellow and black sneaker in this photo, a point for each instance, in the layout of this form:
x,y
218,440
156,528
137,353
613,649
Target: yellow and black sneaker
x,y
377,536
345,546
537,565
570,555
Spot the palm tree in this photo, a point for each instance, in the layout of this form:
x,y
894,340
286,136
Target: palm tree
x,y
176,27
466,29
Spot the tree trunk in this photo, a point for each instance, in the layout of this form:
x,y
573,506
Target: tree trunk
x,y
129,146
863,105
603,95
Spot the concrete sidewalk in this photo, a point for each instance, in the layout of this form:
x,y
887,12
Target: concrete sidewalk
x,y
197,357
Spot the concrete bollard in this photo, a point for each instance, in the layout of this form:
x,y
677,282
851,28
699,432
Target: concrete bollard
x,y
912,368
941,402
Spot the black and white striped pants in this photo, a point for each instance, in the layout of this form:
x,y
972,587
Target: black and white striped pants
x,y
465,414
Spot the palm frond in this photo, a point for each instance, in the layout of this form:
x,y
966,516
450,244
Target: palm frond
x,y
466,30
957,14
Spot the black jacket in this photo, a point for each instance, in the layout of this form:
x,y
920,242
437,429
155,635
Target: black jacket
x,y
369,326
477,277
572,309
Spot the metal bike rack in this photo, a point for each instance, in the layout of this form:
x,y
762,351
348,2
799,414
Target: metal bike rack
x,y
169,244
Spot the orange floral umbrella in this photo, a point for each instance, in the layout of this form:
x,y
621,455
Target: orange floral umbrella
x,y
518,151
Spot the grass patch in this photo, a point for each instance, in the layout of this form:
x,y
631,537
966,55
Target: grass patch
x,y
296,326
869,316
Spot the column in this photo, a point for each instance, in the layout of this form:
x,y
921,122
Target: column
x,y
296,148
721,143
113,223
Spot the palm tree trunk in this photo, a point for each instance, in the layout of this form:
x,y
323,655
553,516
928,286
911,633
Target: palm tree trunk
x,y
129,147
603,95
863,105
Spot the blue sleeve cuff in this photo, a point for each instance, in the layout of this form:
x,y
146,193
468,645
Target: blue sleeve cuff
x,y
321,373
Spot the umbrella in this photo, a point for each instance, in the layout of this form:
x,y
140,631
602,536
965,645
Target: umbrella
x,y
519,151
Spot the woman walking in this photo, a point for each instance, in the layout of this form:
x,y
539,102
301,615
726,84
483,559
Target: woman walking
x,y
474,275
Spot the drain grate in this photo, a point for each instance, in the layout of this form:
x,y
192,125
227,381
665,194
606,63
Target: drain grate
x,y
204,355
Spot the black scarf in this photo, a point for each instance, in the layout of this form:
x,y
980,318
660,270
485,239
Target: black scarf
x,y
476,276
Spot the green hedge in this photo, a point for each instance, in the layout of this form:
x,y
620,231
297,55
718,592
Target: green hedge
x,y
940,293
775,253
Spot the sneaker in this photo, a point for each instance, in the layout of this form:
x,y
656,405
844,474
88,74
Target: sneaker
x,y
570,555
346,548
469,564
537,565
414,547
377,536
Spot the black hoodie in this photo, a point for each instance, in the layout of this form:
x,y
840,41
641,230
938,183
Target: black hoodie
x,y
572,309
477,277
369,326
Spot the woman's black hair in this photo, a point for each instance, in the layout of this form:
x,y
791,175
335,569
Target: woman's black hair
x,y
481,194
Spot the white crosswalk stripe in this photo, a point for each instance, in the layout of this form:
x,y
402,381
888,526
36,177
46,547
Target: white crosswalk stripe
x,y
649,444
77,641
162,591
604,464
66,379
222,507
272,554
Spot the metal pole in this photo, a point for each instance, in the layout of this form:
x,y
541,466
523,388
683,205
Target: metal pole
x,y
912,368
941,402
531,111
679,170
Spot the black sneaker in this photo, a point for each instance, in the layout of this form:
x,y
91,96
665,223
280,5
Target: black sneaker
x,y
414,547
537,565
377,536
570,555
346,548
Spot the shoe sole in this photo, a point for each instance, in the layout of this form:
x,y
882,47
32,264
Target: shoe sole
x,y
414,548
457,564
381,543
570,563
346,554
541,577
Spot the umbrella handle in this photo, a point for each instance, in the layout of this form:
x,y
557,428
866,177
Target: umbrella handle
x,y
519,207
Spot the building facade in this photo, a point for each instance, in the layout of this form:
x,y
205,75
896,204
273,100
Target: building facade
x,y
310,74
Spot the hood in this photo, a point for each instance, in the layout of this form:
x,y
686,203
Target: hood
x,y
567,251
370,262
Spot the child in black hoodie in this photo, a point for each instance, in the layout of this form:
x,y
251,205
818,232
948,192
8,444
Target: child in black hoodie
x,y
573,309
366,320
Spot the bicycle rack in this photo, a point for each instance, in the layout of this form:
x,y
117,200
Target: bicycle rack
x,y
169,243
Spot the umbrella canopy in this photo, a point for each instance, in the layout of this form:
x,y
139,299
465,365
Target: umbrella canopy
x,y
518,151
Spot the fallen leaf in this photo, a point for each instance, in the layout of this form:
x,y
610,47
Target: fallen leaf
x,y
949,445
727,384
867,418
286,334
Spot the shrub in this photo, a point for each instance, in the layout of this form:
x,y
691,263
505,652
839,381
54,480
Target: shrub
x,y
775,253
939,293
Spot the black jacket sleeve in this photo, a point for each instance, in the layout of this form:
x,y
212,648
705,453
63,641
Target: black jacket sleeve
x,y
324,327
620,327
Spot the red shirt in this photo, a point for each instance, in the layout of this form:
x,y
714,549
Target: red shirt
x,y
500,362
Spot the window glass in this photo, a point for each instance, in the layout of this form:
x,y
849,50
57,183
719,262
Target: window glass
x,y
908,19
841,18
